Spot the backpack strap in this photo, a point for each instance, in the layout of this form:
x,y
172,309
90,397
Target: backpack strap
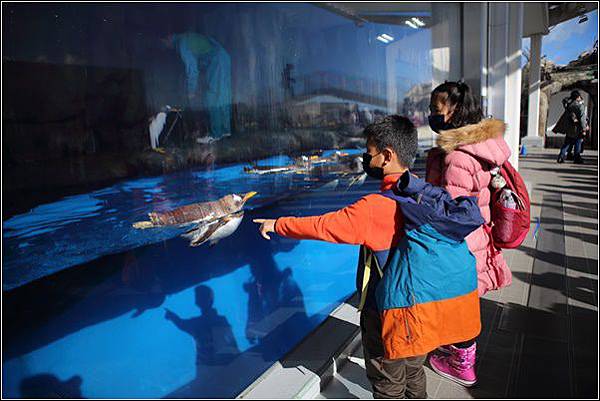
x,y
368,259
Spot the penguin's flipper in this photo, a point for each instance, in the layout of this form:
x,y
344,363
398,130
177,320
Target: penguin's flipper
x,y
239,213
143,224
358,179
209,231
353,181
198,224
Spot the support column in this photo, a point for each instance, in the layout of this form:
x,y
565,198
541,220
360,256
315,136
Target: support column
x,y
474,41
445,44
505,34
533,138
513,87
484,61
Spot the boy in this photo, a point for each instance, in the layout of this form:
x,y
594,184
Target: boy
x,y
375,222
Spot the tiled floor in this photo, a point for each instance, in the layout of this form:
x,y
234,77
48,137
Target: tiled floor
x,y
540,334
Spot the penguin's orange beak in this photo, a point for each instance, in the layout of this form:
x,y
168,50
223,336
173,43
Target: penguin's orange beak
x,y
249,195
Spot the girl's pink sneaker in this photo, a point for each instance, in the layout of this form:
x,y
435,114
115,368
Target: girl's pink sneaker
x,y
458,365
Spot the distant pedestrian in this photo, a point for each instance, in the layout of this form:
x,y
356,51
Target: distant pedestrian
x,y
574,124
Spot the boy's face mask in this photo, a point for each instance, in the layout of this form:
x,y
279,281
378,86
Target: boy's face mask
x,y
373,172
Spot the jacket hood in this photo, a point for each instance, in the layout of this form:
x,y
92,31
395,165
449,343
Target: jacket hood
x,y
483,140
424,204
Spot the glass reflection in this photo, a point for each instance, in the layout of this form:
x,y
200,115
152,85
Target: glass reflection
x,y
113,111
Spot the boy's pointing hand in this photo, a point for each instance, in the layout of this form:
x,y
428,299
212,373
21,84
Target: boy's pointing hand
x,y
266,226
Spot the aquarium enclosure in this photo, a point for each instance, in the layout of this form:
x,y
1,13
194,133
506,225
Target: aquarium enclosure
x,y
114,111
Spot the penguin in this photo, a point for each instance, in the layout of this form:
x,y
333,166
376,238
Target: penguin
x,y
215,230
157,123
330,186
212,221
358,180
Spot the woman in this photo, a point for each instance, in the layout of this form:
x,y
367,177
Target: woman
x,y
468,148
573,123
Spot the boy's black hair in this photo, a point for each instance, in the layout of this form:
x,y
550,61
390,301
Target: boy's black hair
x,y
397,133
466,106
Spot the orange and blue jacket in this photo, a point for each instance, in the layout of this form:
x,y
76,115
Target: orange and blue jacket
x,y
376,222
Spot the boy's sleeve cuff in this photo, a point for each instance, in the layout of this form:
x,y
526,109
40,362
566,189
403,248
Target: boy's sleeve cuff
x,y
281,226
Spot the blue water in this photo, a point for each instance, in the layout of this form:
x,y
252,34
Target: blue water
x,y
81,228
125,313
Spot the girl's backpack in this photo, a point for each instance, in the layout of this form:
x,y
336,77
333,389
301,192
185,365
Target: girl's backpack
x,y
509,220
510,207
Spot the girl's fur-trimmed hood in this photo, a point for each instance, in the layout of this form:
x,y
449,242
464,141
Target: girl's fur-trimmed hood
x,y
484,140
470,134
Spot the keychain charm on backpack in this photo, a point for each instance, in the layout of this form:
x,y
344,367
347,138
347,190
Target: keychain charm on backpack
x,y
498,182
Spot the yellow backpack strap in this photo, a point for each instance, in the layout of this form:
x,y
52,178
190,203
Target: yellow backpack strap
x,y
378,268
367,260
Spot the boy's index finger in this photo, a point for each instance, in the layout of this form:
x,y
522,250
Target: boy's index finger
x,y
259,221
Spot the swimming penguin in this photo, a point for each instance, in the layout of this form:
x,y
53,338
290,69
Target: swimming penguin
x,y
330,186
358,180
212,221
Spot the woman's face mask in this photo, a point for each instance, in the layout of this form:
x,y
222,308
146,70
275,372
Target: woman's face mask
x,y
437,123
439,111
373,172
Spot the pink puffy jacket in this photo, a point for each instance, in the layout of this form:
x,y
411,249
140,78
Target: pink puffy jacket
x,y
462,166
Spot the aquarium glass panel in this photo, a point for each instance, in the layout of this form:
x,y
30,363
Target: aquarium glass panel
x,y
139,141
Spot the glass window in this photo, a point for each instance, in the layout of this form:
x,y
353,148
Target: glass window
x,y
115,111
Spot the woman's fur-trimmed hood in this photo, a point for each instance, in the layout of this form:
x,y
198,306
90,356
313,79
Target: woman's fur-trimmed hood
x,y
469,134
484,140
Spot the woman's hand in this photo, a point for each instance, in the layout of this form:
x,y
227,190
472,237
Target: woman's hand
x,y
266,226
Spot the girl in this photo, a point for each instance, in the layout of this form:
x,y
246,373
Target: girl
x,y
468,148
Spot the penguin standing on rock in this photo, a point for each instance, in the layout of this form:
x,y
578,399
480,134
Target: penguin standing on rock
x,y
157,124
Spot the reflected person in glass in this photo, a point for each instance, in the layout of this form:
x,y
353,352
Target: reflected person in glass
x,y
215,342
203,52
